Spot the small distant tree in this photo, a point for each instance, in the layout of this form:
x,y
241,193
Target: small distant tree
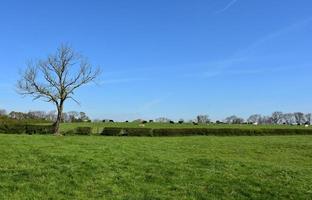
x,y
266,120
254,119
299,117
51,116
277,117
308,118
3,112
234,120
84,117
288,118
162,120
138,121
56,79
202,119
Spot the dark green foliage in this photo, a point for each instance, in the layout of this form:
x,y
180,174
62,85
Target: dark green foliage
x,y
138,132
78,131
38,129
14,128
8,120
83,131
111,131
127,132
202,131
179,132
69,132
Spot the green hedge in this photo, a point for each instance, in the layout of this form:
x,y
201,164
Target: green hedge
x,y
111,131
115,131
84,131
202,131
79,131
127,132
25,129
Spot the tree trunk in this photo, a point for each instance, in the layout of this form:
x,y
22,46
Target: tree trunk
x,y
58,120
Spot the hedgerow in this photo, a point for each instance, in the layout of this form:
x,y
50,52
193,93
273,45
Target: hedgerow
x,y
12,128
202,131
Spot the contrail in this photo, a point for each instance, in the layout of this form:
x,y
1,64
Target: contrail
x,y
227,6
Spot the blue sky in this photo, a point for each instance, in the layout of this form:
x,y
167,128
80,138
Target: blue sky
x,y
172,58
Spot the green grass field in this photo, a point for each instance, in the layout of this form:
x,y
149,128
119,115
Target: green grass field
x,y
78,167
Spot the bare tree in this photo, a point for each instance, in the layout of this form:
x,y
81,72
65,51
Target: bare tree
x,y
73,116
234,120
202,119
36,115
56,78
288,118
299,116
51,116
308,118
3,112
162,120
277,117
255,119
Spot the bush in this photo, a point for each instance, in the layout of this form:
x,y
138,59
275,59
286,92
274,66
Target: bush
x,y
69,132
38,129
111,131
83,131
127,132
138,132
14,128
202,131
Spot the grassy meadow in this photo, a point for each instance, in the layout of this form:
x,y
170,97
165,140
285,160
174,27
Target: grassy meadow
x,y
82,167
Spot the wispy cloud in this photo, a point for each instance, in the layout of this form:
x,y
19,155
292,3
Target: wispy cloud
x,y
273,35
229,5
217,68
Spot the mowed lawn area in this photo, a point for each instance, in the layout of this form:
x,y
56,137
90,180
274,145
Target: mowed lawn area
x,y
94,167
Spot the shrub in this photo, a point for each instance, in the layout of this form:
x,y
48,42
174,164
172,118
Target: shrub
x,y
111,131
38,129
138,132
69,132
203,131
83,131
14,128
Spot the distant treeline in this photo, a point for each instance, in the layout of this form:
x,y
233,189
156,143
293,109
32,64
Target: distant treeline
x,y
296,118
42,116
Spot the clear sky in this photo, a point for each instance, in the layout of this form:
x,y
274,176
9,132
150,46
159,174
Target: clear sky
x,y
172,58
